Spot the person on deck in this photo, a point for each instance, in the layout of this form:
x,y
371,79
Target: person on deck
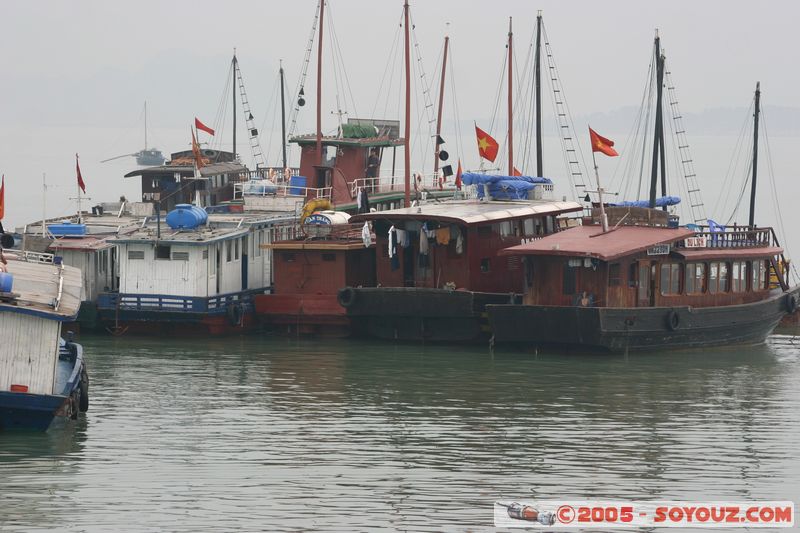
x,y
372,168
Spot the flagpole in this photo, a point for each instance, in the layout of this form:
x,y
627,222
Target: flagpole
x,y
79,193
603,219
44,203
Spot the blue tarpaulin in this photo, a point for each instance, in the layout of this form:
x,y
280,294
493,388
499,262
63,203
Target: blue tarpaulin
x,y
504,187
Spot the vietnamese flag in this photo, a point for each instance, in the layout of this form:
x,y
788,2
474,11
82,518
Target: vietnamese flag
x,y
3,197
458,176
200,126
487,146
516,172
81,184
601,144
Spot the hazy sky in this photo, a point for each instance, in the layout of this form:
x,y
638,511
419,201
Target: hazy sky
x,y
75,74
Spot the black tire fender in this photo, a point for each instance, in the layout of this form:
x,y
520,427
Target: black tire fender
x,y
791,303
346,297
673,320
83,400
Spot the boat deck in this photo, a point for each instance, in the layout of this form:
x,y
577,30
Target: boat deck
x,y
42,286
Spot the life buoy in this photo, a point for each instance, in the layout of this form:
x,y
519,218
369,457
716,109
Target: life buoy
x,y
673,320
234,312
791,303
346,297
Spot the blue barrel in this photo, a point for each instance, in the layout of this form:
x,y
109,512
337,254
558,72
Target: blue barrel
x,y
6,282
67,229
186,216
297,184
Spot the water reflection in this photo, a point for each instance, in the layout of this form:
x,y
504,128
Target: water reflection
x,y
259,432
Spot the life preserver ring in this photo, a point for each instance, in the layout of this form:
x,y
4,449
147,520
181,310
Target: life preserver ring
x,y
235,313
346,297
673,320
791,303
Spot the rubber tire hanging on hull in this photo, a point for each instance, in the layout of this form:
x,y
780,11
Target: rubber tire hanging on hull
x,y
83,400
346,297
791,303
673,320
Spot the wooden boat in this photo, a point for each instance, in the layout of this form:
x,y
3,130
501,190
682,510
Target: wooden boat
x,y
638,287
648,283
444,268
42,376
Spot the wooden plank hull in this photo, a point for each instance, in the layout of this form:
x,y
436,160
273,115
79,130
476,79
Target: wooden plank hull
x,y
637,328
167,323
307,314
419,314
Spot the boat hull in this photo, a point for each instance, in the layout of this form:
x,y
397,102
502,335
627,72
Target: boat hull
x,y
31,411
161,323
637,328
307,314
419,314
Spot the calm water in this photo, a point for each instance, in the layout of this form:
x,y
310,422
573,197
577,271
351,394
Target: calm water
x,y
259,433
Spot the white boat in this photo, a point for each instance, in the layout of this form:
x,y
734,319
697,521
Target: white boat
x,y
42,376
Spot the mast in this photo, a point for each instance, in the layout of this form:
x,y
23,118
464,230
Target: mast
x,y
406,143
537,72
233,101
658,138
441,104
283,119
510,102
755,154
319,83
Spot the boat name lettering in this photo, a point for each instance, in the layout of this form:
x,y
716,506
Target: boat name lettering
x,y
695,242
659,249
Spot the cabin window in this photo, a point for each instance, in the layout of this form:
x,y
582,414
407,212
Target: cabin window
x,y
738,283
527,227
236,244
568,282
632,275
613,275
548,225
288,257
506,228
259,238
135,254
695,278
759,275
180,256
329,257
162,252
485,230
670,278
485,265
212,263
717,277
228,251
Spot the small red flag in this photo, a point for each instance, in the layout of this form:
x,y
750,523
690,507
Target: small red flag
x,y
601,144
3,197
458,176
516,172
200,126
487,146
81,184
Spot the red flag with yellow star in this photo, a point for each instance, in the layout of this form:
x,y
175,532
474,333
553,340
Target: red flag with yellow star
x,y
487,146
601,144
458,176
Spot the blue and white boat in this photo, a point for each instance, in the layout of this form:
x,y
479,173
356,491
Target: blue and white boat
x,y
42,376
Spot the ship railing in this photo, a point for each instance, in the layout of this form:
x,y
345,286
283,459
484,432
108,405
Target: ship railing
x,y
734,237
386,184
186,304
277,175
31,257
285,190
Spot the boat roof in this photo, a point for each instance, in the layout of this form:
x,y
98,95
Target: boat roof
x,y
88,244
590,241
42,289
728,253
220,226
471,211
208,170
348,141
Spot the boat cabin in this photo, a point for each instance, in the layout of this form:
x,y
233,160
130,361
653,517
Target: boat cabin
x,y
455,244
649,266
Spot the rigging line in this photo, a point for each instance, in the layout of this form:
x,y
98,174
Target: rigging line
x,y
272,101
499,93
388,64
625,177
775,197
346,78
222,110
733,164
429,107
741,194
303,72
456,111
272,129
